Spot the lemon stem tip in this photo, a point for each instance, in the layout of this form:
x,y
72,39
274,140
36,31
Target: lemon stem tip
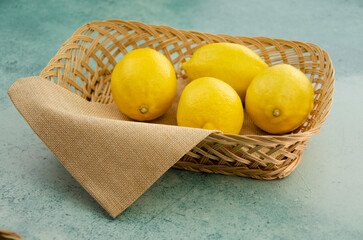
x,y
276,112
143,109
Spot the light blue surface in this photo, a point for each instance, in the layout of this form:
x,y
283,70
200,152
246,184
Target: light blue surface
x,y
321,199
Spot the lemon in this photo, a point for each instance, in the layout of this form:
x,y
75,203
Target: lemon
x,y
232,63
210,103
143,84
280,99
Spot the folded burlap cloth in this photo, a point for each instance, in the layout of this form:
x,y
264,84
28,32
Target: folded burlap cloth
x,y
113,158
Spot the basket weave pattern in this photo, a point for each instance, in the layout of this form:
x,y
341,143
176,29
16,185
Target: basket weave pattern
x,y
85,62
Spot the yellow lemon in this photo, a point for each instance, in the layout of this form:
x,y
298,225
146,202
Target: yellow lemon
x,y
232,63
143,84
212,104
280,99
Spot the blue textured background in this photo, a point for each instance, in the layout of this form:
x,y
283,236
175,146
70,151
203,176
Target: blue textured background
x,y
321,199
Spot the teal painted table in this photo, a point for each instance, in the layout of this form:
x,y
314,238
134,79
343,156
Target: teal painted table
x,y
321,199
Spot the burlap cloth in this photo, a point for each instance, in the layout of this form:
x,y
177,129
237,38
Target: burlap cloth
x,y
113,158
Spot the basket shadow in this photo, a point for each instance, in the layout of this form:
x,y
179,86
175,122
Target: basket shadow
x,y
182,193
178,192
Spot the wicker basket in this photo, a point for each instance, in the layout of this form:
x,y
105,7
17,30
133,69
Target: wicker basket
x,y
85,61
9,235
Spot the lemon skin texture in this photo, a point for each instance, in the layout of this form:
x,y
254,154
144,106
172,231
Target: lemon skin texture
x,y
143,84
280,99
212,104
232,63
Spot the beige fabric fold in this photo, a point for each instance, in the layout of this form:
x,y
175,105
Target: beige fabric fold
x,y
114,159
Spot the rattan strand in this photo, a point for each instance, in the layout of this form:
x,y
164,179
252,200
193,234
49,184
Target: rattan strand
x,y
9,235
